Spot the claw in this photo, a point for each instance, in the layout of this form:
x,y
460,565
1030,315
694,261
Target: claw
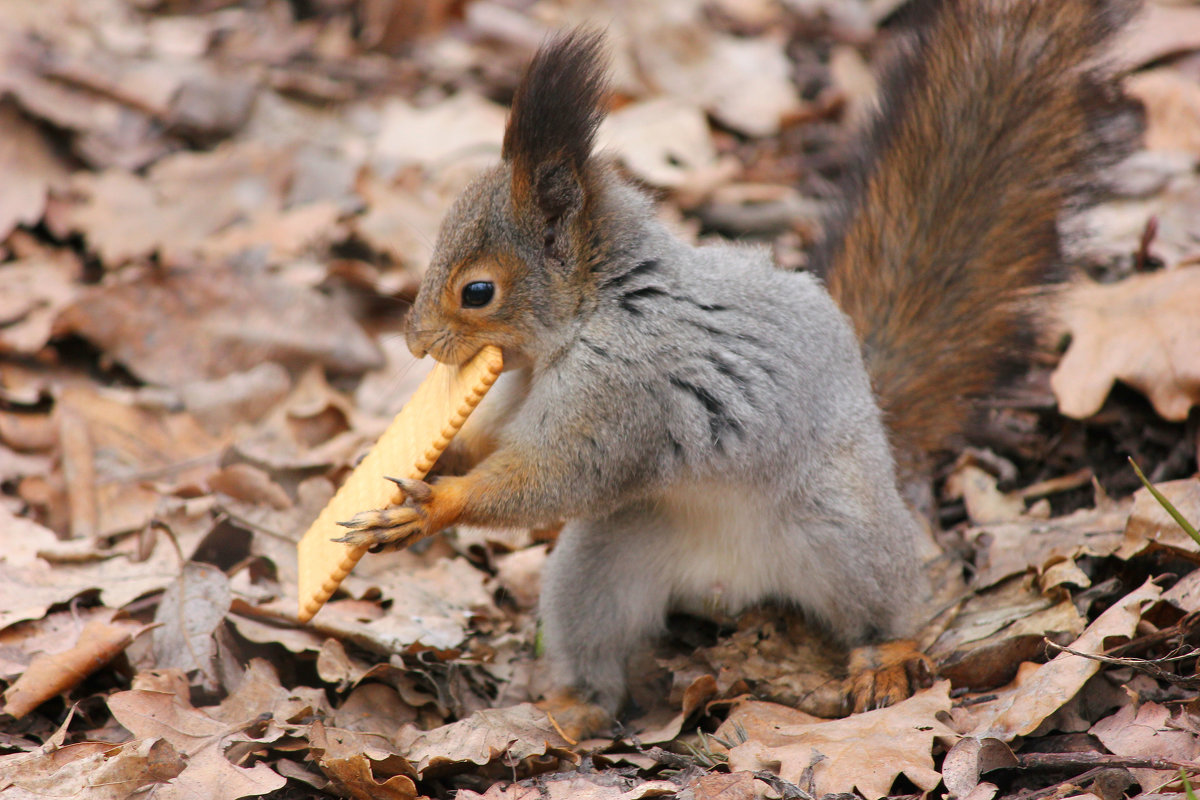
x,y
417,491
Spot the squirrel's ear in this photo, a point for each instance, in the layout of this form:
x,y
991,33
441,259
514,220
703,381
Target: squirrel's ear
x,y
552,128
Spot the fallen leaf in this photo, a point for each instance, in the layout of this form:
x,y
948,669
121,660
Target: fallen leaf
x,y
984,501
1172,104
30,583
969,759
200,739
1149,730
665,142
33,292
712,69
595,786
464,124
1159,30
51,674
362,765
402,218
997,630
1020,709
1141,331
734,786
190,325
183,200
374,708
865,751
1152,525
31,169
90,770
1008,549
20,643
432,606
512,733
780,657
259,694
111,453
191,610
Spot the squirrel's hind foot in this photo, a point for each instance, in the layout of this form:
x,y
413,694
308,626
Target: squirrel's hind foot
x,y
575,718
884,674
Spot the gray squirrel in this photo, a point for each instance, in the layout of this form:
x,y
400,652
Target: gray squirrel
x,y
717,431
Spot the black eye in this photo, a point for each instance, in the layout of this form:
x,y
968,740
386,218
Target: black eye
x,y
478,293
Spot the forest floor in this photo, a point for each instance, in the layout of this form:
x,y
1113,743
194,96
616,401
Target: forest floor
x,y
212,220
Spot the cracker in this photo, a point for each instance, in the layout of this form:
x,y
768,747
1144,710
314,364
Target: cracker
x,y
407,449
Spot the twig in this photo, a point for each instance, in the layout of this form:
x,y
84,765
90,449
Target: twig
x,y
1070,784
1180,629
1151,668
787,791
1098,761
1062,483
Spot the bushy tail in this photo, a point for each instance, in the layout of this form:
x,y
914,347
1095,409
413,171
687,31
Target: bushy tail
x,y
996,120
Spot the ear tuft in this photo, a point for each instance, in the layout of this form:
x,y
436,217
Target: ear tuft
x,y
557,107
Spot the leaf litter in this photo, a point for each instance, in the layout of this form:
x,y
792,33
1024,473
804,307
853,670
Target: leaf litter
x,y
215,217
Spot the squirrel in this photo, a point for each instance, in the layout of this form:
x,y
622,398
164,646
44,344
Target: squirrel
x,y
717,430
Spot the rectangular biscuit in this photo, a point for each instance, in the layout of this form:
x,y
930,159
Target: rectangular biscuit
x,y
407,449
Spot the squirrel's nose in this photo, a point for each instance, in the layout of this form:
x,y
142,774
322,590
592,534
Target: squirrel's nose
x,y
417,344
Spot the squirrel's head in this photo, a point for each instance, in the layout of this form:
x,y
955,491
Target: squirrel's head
x,y
514,257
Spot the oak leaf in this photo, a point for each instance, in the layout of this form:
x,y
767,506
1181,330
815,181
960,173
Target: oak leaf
x,y
866,751
1141,331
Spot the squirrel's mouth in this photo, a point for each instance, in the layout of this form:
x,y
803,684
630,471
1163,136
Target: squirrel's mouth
x,y
443,346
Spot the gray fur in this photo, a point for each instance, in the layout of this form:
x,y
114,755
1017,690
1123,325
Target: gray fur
x,y
712,436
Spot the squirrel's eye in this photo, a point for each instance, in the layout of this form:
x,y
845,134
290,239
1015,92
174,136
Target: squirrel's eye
x,y
478,293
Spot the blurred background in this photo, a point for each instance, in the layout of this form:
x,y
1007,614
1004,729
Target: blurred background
x,y
213,216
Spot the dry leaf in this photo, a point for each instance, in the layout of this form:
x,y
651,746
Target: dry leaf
x,y
435,604
1172,104
90,770
184,199
192,325
985,503
362,766
113,451
712,69
1150,730
970,758
1160,30
595,786
374,708
463,125
201,739
51,674
188,616
1151,524
865,751
1010,549
1020,709
666,142
33,291
783,659
30,168
510,733
1142,331
997,630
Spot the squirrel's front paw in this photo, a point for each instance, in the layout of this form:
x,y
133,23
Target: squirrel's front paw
x,y
397,526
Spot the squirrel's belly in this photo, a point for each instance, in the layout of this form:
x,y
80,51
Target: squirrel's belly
x,y
722,538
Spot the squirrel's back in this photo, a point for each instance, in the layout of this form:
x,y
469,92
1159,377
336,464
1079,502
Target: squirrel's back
x,y
996,119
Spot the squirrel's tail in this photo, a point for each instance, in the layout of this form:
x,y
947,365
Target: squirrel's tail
x,y
996,120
